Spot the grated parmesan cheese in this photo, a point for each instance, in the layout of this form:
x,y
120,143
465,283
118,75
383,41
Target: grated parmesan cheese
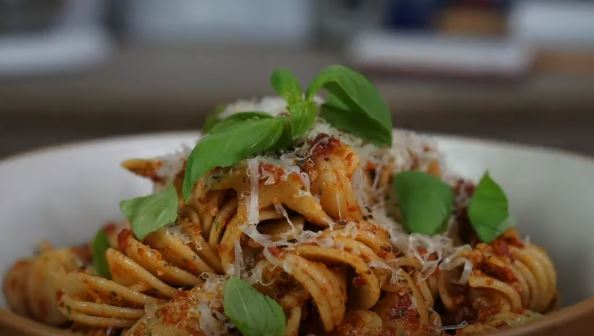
x,y
275,106
327,242
176,231
460,325
253,210
360,190
212,322
271,258
256,273
408,151
264,240
379,264
238,262
466,273
434,249
171,165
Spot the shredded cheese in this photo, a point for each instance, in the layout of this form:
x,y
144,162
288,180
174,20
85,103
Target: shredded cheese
x,y
360,189
238,262
275,106
409,151
253,209
256,273
428,250
460,325
176,231
281,210
466,272
212,322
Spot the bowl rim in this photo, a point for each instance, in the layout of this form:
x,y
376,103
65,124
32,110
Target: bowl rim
x,y
579,311
106,140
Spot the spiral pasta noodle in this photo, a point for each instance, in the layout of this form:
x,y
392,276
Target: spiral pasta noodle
x,y
310,231
509,277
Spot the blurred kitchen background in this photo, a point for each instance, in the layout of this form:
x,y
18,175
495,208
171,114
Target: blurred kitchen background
x,y
78,69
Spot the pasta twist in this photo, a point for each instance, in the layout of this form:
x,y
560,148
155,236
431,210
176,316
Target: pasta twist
x,y
30,285
499,321
304,229
143,273
508,276
198,311
316,260
320,267
212,225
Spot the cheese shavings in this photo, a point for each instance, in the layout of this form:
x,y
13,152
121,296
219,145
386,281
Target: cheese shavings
x,y
256,273
460,325
428,250
261,239
253,209
238,262
212,321
281,210
456,259
275,106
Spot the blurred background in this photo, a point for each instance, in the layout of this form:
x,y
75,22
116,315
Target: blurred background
x,y
77,69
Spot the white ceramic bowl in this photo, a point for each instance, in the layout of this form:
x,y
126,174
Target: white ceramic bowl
x,y
63,194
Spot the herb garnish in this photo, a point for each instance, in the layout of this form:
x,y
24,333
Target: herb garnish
x,y
229,146
488,209
99,247
150,213
302,110
425,202
353,104
252,312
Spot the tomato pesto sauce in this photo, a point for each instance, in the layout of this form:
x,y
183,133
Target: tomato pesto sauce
x,y
303,213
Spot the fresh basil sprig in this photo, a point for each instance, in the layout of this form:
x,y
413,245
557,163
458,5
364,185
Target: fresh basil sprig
x,y
99,247
150,213
229,146
286,85
303,110
425,202
252,312
488,209
353,104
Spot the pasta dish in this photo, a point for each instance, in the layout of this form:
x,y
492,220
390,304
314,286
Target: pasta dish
x,y
300,214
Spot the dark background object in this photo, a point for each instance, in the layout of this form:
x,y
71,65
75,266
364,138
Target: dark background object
x,y
169,64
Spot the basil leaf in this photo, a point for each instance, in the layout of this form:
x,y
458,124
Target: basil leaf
x,y
286,85
99,247
339,116
229,146
150,213
488,209
237,118
353,104
303,111
213,118
252,312
286,138
425,202
303,116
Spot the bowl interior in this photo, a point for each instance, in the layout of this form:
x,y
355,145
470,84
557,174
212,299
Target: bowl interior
x,y
63,195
